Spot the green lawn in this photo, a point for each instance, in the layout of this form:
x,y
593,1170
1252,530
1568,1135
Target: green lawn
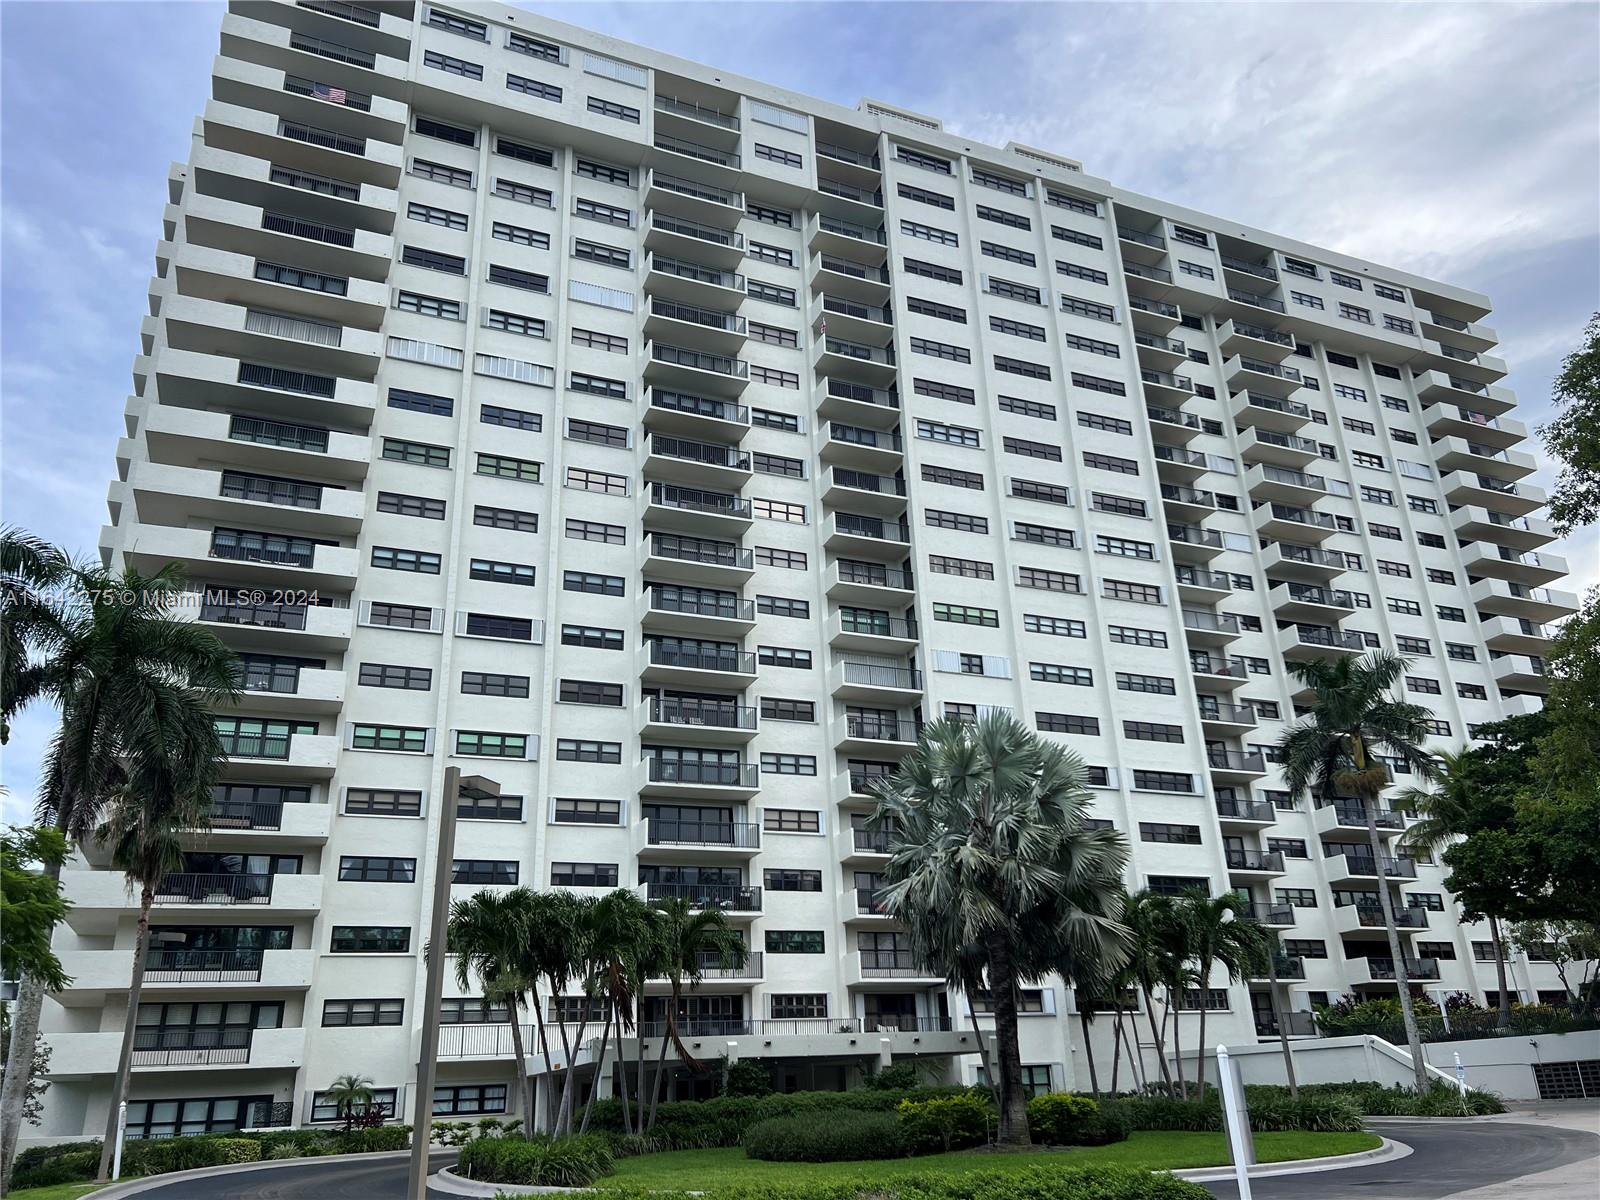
x,y
697,1169
56,1191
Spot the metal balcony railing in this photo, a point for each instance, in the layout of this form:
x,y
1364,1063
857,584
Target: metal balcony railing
x,y
1254,860
1240,296
684,269
1210,622
278,433
872,439
708,453
702,773
846,266
1179,494
1366,864
1180,454
246,546
1416,968
874,625
1231,807
1236,760
704,714
873,675
1166,379
695,189
892,964
1334,639
728,608
1233,714
1161,308
1216,581
190,888
699,406
726,897
278,379
1201,664
871,527
1310,593
850,229
695,500
844,154
863,394
310,181
1170,345
668,223
246,814
862,783
1312,555
1141,271
1294,1024
1193,535
698,112
1270,914
255,745
337,51
872,574
1172,416
866,481
1259,269
854,308
1262,333
1303,516
869,903
848,191
203,966
238,486
328,139
881,729
1293,478
1144,239
710,318
1353,813
715,554
739,835
262,616
699,150
358,13
333,235
736,662
191,1045
346,97
719,364
1288,441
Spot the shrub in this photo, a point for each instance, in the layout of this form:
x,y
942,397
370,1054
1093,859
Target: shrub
x,y
171,1154
1030,1183
747,1077
901,1077
826,1137
561,1162
944,1123
1162,1112
631,1145
369,1141
237,1150
1061,1119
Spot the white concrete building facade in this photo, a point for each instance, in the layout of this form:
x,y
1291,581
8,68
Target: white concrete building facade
x,y
668,446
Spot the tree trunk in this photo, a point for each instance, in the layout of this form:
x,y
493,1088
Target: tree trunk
x,y
1200,1052
566,1071
1116,1052
599,1065
525,1100
1130,1039
639,1025
622,1067
1281,1020
1408,1014
1175,1009
983,1051
1503,1021
1088,1051
119,1086
569,1094
1013,1130
668,1034
1155,1034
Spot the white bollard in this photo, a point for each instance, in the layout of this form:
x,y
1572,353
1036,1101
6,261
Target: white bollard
x,y
122,1129
1237,1125
1461,1074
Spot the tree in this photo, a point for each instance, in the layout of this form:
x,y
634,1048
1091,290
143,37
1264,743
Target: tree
x,y
1573,948
990,847
690,943
1458,807
39,1069
1149,919
554,953
621,927
351,1096
487,934
135,685
31,905
31,572
1574,435
1216,934
1334,751
143,834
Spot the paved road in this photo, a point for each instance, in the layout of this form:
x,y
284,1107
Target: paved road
x,y
323,1179
1447,1157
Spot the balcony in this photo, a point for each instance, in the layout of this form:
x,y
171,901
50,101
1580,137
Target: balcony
x,y
96,974
1251,865
1259,410
682,414
272,286
871,683
701,202
698,561
1291,560
274,820
697,512
1498,596
101,898
1233,813
1441,387
1159,352
1233,265
187,1048
844,274
863,908
1347,866
1256,302
1170,427
1164,388
1531,568
1520,673
728,898
1287,968
289,627
877,735
1175,464
694,720
841,400
1347,818
853,361
315,137
855,241
1153,316
1147,281
223,323
183,436
871,631
681,237
1464,333
1245,339
1471,458
678,367
1220,719
1192,544
1263,378
1499,495
1472,523
661,839
1268,482
1217,673
1234,766
1366,919
1273,916
1140,247
861,536
692,668
1451,420
1276,522
864,491
868,583
1374,969
674,459
260,559
1311,602
1203,628
1199,586
707,159
692,282
866,968
855,320
1302,642
878,450
1517,635
689,777
1183,503
189,379
1258,445
699,612
708,329
170,495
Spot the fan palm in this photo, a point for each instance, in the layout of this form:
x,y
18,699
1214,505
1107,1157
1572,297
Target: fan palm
x,y
1216,935
690,943
30,618
1445,812
1335,752
989,847
143,835
487,934
620,926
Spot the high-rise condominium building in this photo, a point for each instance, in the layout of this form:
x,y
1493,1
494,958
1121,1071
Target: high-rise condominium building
x,y
668,447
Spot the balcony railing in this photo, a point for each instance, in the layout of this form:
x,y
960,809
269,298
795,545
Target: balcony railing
x,y
710,154
1353,813
262,616
1270,914
1240,296
1312,556
1170,345
1179,494
1288,441
892,964
850,229
704,714
873,675
703,773
1232,808
1254,860
736,662
202,966
698,112
866,481
1370,916
328,139
700,274
1303,516
1259,269
869,903
871,527
358,13
854,308
1293,478
1416,968
246,546
255,745
695,500
873,625
872,574
238,486
191,1045
739,835
872,841
872,439
728,608
337,51
845,154
1216,581
727,897
1161,308
310,181
695,315
1236,760
1180,454
1334,639
247,814
716,554
281,380
699,360
1310,593
1366,864
1210,622
699,406
318,231
188,888
848,191
1166,379
1233,714
1294,1024
1142,271
846,266
1193,535
1172,416
1262,334
347,97
881,729
708,453
278,433
1144,239
863,394
1201,664
695,189
668,223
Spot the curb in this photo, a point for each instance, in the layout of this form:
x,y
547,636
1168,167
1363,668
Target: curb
x,y
1388,1151
451,1184
135,1187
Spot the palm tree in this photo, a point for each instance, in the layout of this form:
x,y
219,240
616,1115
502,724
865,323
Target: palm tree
x,y
30,618
990,847
136,686
487,934
349,1095
143,834
1175,973
691,943
1149,918
554,953
1445,812
1217,936
1089,971
1334,751
620,925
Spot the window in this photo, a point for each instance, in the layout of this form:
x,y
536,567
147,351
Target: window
x,y
370,939
929,233
1121,505
960,614
484,870
952,477
430,215
588,691
1033,333
1027,408
932,308
784,656
597,433
782,606
576,874
578,750
790,880
771,556
968,567
418,453
491,745
373,803
418,679
587,812
1178,835
938,518
1419,683
927,162
1129,636
774,709
1001,217
411,506
1124,589
1049,581
915,266
794,941
772,254
1092,420
778,510
924,196
1151,731
1049,722
1158,685
336,1013
607,214
774,336
359,869
511,418
1012,255
482,683
594,637
1058,673
791,820
1048,493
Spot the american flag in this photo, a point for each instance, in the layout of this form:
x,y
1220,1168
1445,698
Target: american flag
x,y
324,92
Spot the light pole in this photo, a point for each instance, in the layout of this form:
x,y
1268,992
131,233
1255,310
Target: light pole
x,y
456,785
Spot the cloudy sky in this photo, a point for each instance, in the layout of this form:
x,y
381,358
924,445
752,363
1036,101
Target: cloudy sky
x,y
1460,141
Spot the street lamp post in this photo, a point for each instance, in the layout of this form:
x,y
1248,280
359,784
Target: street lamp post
x,y
455,786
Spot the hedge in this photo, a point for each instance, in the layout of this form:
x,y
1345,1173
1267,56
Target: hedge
x,y
552,1162
1061,1119
1030,1183
1271,1111
75,1162
945,1123
826,1137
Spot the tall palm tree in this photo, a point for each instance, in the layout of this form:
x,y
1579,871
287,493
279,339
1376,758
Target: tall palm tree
x,y
1149,919
31,571
349,1095
1216,935
1335,752
620,925
554,954
1445,812
691,942
1175,973
143,834
989,846
487,934
135,685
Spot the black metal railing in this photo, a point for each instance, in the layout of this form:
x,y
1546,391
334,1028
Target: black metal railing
x,y
704,774
735,661
881,729
726,897
191,1045
194,888
203,966
740,835
706,714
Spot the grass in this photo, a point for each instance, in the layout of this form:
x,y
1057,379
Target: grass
x,y
56,1191
1157,1151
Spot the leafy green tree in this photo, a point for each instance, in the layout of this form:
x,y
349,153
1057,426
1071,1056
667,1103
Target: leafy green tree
x,y
351,1096
990,847
39,1069
1335,752
1573,948
31,904
31,574
1574,435
620,930
1150,919
487,935
1216,934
